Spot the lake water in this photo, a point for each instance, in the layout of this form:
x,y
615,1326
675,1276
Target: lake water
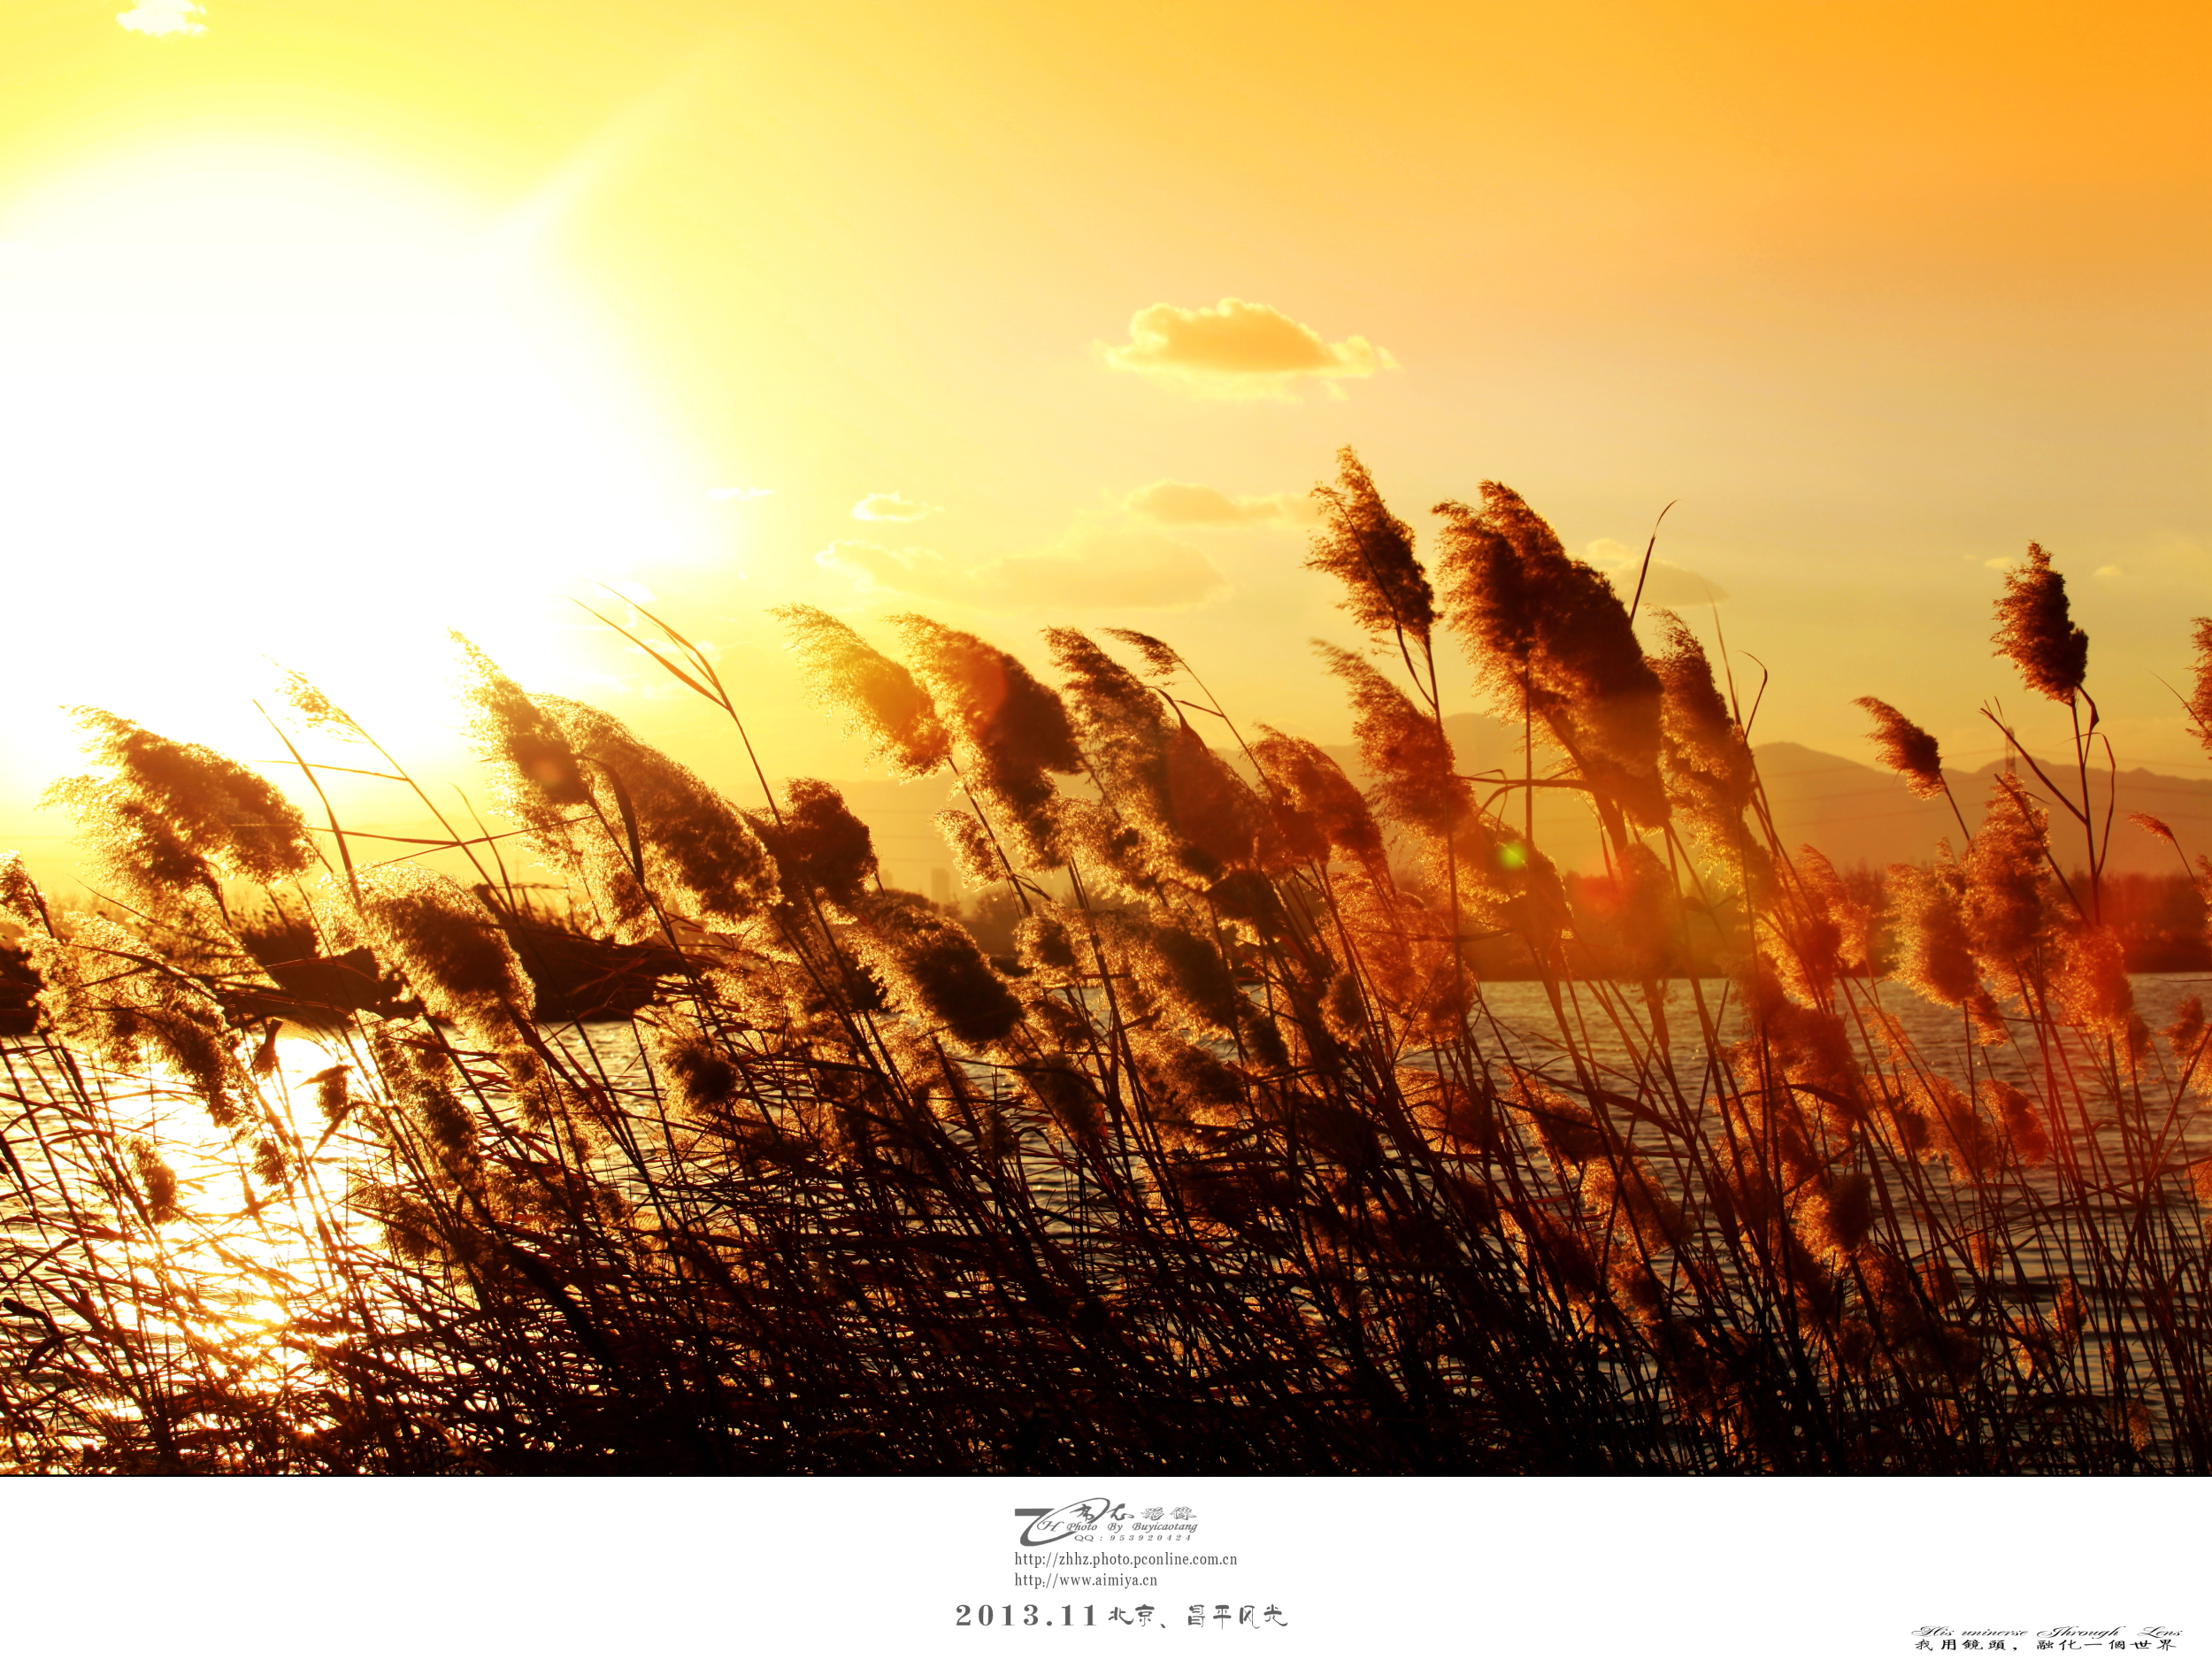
x,y
1517,1024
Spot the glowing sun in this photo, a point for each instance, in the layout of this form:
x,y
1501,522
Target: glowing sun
x,y
264,402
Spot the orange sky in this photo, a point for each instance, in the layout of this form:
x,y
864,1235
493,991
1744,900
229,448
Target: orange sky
x,y
1878,293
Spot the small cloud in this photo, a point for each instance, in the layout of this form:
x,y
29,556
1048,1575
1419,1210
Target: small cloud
x,y
1241,349
893,506
737,493
1666,583
1168,503
1174,503
162,17
2002,562
1132,570
2110,570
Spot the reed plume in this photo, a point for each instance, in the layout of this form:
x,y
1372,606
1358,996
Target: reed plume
x,y
541,782
933,968
1906,750
2198,705
973,852
817,843
1011,728
2092,983
2036,632
2022,1123
2004,902
1418,779
1851,920
875,695
1159,656
1936,959
1157,772
112,994
1171,966
449,948
1708,764
662,828
1553,643
1320,811
1366,547
168,822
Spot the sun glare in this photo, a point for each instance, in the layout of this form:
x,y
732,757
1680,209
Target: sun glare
x,y
259,405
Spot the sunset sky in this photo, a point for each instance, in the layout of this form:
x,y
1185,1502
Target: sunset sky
x,y
326,327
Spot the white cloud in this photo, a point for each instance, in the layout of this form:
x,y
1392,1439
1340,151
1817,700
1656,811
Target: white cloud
x,y
163,17
1241,349
737,493
890,505
1169,503
1128,570
2110,570
1666,583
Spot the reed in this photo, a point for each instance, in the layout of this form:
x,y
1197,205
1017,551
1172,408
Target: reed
x,y
1227,1157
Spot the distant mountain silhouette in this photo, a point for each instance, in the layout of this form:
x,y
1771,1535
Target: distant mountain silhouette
x,y
1856,814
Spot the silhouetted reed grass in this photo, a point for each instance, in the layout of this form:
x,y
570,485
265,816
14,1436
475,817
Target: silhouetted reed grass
x,y
724,1157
